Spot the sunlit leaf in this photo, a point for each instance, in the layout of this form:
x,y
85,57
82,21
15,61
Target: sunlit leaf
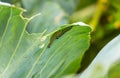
x,y
24,55
106,63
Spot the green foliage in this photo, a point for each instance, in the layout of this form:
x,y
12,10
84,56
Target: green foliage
x,y
56,19
25,55
106,63
45,42
68,6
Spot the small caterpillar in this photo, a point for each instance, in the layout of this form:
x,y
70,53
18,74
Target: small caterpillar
x,y
58,34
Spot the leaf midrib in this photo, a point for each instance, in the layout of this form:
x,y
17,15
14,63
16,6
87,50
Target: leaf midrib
x,y
6,27
15,50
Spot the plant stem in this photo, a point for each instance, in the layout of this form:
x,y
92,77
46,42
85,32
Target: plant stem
x,y
99,11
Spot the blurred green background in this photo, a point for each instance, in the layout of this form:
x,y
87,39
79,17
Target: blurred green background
x,y
102,15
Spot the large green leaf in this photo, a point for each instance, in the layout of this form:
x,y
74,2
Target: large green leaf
x,y
107,62
24,55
